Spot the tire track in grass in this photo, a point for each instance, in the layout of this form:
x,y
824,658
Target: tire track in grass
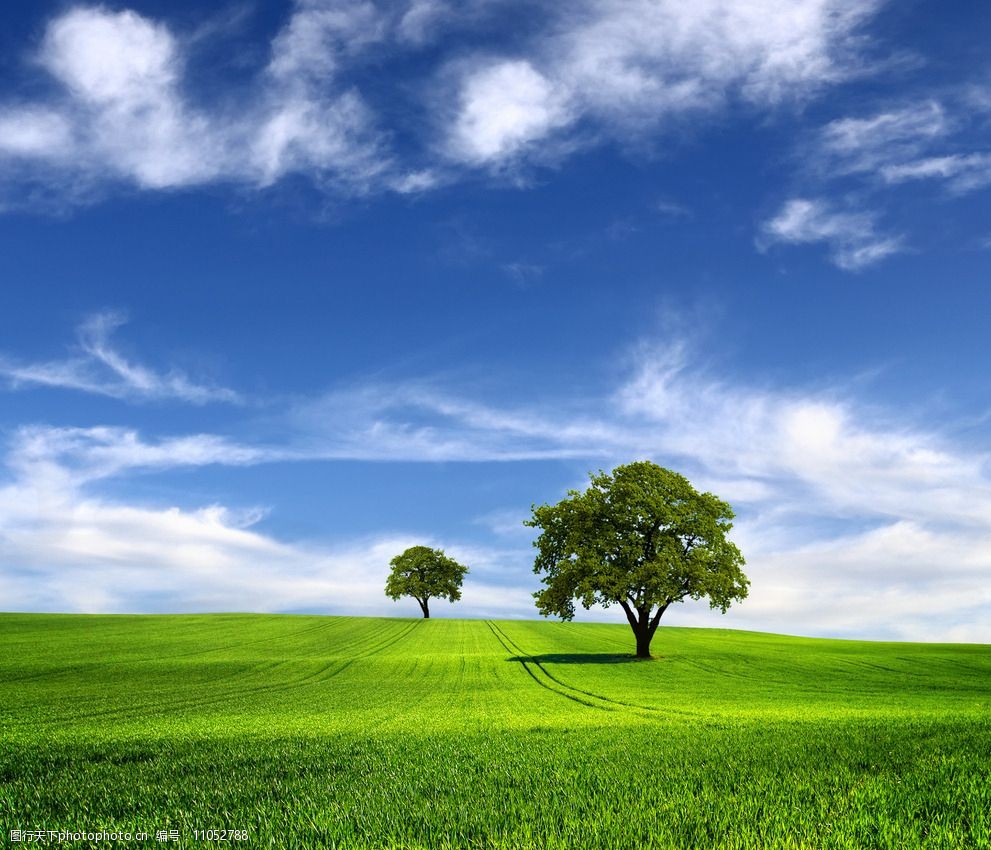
x,y
392,640
614,704
532,668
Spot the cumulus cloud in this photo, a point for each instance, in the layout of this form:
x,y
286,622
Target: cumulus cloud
x,y
504,107
121,73
852,236
102,369
860,523
631,67
126,109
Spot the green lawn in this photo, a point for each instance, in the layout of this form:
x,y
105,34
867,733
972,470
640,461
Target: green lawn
x,y
359,732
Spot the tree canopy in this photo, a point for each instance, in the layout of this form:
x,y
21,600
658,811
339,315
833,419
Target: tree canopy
x,y
641,537
425,574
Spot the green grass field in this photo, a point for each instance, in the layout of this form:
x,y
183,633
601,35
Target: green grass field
x,y
359,732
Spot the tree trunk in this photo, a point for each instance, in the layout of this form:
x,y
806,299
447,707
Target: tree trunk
x,y
644,636
643,627
425,607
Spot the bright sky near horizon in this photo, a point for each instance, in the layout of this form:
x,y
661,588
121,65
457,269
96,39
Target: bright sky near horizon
x,y
291,286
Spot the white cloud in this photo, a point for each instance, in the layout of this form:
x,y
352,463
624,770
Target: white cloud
x,y
63,548
128,111
664,54
418,422
962,172
125,113
113,59
309,124
630,67
853,522
926,139
864,144
66,549
34,132
823,449
102,369
122,74
504,107
81,455
907,143
852,236
422,18
859,525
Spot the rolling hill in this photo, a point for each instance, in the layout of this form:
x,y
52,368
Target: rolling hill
x,y
300,731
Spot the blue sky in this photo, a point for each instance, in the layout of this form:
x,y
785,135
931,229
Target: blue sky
x,y
288,287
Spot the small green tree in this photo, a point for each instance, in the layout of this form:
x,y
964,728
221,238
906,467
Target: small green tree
x,y
425,574
641,537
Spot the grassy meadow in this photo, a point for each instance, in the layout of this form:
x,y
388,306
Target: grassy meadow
x,y
390,733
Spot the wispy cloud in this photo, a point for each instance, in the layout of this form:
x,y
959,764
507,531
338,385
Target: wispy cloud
x,y
846,511
421,422
83,455
936,139
927,140
852,236
961,172
851,145
524,274
102,369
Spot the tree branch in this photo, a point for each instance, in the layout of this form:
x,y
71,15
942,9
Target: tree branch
x,y
656,619
634,622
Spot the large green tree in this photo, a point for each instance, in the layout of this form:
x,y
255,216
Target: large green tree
x,y
640,537
425,574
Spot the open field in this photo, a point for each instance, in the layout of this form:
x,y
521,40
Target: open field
x,y
360,732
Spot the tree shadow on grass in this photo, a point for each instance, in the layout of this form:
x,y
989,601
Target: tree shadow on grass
x,y
579,658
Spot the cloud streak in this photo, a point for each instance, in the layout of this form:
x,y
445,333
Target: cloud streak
x,y
101,369
927,140
852,236
853,521
921,141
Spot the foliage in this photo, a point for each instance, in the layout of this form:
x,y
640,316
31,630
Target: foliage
x,y
641,537
425,574
363,732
